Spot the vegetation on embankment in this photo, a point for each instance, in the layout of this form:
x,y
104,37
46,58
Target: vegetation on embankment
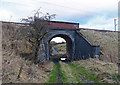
x,y
12,47
28,72
108,42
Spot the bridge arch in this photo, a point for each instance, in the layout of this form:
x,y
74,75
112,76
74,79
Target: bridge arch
x,y
70,48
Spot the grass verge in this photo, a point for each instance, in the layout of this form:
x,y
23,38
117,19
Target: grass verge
x,y
83,71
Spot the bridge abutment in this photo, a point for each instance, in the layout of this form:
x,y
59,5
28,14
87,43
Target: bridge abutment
x,y
77,46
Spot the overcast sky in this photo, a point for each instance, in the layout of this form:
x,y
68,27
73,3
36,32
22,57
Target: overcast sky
x,y
94,14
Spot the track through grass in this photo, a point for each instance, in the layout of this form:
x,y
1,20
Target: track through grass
x,y
57,75
68,72
71,73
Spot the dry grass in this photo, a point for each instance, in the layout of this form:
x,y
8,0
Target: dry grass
x,y
108,42
31,73
12,46
104,71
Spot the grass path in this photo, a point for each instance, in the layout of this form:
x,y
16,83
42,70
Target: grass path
x,y
70,73
57,75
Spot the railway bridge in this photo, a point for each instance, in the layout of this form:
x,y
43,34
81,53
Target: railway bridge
x,y
77,46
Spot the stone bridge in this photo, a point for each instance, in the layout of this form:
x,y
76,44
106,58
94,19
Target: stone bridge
x,y
77,46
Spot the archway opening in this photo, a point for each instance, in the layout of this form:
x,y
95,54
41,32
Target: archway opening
x,y
60,47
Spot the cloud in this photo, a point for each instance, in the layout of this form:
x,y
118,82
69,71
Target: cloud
x,y
5,15
64,7
58,39
95,13
99,22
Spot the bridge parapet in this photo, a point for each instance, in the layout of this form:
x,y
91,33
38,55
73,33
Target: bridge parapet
x,y
65,25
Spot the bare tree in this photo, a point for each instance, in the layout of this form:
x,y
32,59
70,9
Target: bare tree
x,y
39,29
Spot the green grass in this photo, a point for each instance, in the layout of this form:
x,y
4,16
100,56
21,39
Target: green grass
x,y
54,74
75,74
83,71
63,75
68,72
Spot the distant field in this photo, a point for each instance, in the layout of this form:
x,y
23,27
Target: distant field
x,y
61,48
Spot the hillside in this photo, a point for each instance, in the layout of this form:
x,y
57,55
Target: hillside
x,y
12,61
